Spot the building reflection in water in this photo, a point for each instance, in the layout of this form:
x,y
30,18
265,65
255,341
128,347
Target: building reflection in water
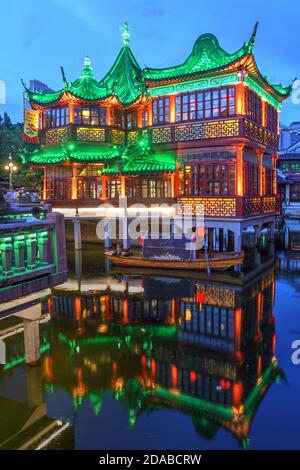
x,y
204,348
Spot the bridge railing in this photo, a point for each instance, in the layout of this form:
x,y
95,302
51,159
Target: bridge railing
x,y
32,256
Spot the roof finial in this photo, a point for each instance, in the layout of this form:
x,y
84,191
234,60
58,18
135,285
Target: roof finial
x,y
87,70
252,39
63,74
87,61
125,34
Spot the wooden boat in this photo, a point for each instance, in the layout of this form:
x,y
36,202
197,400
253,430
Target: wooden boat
x,y
215,261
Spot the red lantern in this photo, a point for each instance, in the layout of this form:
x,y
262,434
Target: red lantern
x,y
225,384
193,376
142,240
200,297
201,232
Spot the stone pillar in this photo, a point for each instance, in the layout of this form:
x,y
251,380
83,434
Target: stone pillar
x,y
210,240
286,238
77,233
2,352
58,242
32,341
19,253
238,240
257,235
31,250
31,317
78,264
43,247
287,194
221,239
6,255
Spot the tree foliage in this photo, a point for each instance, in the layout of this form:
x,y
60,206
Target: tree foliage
x,y
11,142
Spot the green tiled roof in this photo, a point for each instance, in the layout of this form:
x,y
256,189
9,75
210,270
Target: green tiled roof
x,y
73,152
146,163
128,82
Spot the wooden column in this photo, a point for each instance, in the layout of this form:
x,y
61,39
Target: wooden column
x,y
74,182
139,117
45,184
150,119
260,156
274,158
175,184
263,113
71,113
172,108
240,99
104,187
239,170
123,186
109,115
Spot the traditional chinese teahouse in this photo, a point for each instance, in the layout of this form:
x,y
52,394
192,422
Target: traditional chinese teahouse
x,y
203,132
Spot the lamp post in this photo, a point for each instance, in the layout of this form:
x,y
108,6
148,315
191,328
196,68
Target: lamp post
x,y
11,168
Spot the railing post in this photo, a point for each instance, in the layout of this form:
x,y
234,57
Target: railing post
x,y
6,255
19,252
58,239
31,250
43,241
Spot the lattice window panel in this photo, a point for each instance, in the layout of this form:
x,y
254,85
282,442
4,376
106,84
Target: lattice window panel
x,y
118,137
260,135
213,207
55,136
269,204
252,206
91,135
161,135
221,297
132,137
207,130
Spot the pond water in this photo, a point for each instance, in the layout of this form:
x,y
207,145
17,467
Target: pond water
x,y
152,361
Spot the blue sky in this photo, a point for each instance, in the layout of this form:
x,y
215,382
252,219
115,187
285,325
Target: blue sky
x,y
37,37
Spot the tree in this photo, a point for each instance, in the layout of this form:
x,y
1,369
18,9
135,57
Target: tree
x,y
11,142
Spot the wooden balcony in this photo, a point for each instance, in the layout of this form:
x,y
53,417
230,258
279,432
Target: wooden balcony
x,y
211,130
235,127
228,206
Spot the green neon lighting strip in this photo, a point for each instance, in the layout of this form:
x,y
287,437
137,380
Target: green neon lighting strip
x,y
206,55
255,395
261,92
194,85
21,359
222,411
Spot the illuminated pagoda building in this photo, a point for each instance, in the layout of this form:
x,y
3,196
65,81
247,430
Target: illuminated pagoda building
x,y
203,132
204,349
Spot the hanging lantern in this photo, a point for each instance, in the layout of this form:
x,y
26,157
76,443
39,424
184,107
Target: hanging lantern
x,y
200,297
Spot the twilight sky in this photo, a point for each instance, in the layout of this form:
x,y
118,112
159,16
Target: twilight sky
x,y
37,37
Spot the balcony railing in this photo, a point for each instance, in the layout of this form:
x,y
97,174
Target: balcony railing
x,y
32,256
228,206
166,134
